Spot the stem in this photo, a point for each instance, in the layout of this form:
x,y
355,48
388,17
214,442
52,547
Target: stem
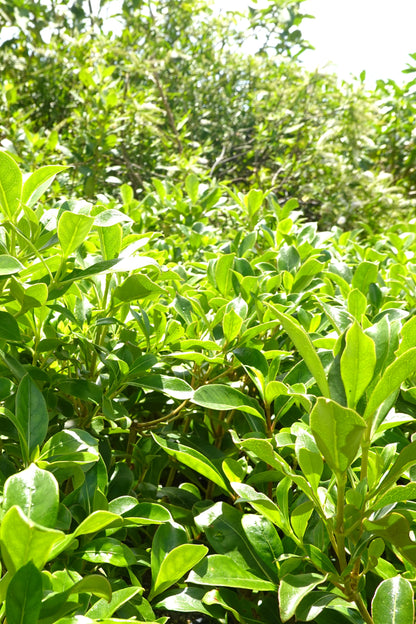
x,y
363,609
339,528
164,419
365,446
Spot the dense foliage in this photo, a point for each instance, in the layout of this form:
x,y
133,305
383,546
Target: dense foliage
x,y
207,399
178,88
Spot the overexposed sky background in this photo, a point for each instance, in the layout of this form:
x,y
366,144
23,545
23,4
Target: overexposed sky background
x,y
355,35
372,35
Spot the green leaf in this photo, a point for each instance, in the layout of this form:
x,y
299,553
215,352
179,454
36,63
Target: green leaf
x,y
93,523
111,217
94,584
292,589
73,229
171,386
260,503
74,445
264,450
338,431
221,570
22,540
176,564
221,397
31,419
405,459
96,521
24,596
307,271
9,329
139,513
188,600
390,382
313,604
166,538
300,517
10,186
9,265
193,459
365,274
110,241
37,183
393,602
305,347
192,186
265,541
398,494
357,364
231,325
250,540
107,550
105,607
357,304
253,200
36,492
82,389
252,359
223,273
137,287
408,336
183,307
309,458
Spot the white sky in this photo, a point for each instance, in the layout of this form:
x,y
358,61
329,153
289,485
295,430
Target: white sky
x,y
372,35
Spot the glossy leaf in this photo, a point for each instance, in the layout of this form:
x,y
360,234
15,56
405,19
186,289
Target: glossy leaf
x,y
405,459
141,514
31,419
222,397
176,564
292,589
38,182
94,584
309,457
250,539
305,347
24,595
358,361
107,550
220,570
338,431
10,185
10,265
188,600
390,382
9,328
36,492
364,275
72,445
137,287
393,602
105,607
223,273
192,458
171,386
231,325
110,240
73,229
22,540
260,503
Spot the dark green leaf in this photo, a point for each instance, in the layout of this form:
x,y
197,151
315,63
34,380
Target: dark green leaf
x,y
24,595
